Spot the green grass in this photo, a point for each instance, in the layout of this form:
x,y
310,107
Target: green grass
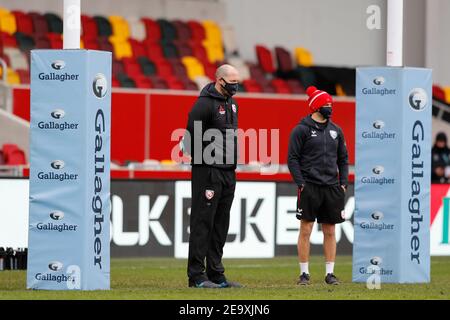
x,y
274,279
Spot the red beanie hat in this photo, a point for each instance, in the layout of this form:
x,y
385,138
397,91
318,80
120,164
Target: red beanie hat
x,y
317,98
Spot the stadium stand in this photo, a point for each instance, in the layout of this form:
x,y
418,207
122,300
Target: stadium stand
x,y
12,155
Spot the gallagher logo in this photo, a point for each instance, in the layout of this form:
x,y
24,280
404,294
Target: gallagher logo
x,y
57,164
55,265
376,261
379,81
378,124
378,170
100,85
58,64
57,215
418,99
377,215
58,114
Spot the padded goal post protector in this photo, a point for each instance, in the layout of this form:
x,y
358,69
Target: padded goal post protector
x,y
392,175
69,208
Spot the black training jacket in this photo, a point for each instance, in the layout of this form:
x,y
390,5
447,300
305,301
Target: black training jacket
x,y
318,154
214,111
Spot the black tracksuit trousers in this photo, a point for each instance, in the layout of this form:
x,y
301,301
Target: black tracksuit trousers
x,y
212,197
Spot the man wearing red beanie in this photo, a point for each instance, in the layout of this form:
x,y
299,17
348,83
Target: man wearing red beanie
x,y
318,163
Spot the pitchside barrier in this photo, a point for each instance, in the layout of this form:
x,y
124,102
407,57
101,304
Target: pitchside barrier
x,y
392,175
143,217
69,207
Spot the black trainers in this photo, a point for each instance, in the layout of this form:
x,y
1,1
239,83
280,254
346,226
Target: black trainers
x,y
303,280
204,284
331,279
230,284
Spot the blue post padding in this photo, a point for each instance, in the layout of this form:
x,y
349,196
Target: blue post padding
x,y
69,170
392,175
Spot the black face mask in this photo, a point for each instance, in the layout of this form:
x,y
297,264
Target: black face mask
x,y
230,88
325,112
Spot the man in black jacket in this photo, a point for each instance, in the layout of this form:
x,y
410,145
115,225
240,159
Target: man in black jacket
x,y
212,126
318,163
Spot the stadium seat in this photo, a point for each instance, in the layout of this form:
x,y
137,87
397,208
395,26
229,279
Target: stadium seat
x,y
189,84
2,158
164,68
303,57
148,68
178,68
193,66
41,41
56,41
284,60
104,26
280,86
169,50
13,155
182,29
138,48
24,41
125,81
89,29
265,59
183,49
199,51
447,94
24,76
40,25
438,93
142,82
8,40
117,67
91,43
154,51
55,23
120,28
131,67
152,30
197,31
24,22
105,45
158,82
257,73
8,22
213,34
252,86
137,28
5,58
168,30
295,86
214,51
122,48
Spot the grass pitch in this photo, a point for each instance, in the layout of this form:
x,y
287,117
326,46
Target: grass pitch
x,y
272,279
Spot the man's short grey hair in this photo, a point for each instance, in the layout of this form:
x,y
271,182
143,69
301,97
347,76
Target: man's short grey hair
x,y
224,70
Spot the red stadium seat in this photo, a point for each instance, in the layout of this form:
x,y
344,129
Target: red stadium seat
x,y
197,30
164,68
280,86
152,29
265,59
55,39
131,67
40,25
142,82
90,43
41,41
295,86
438,93
117,67
138,48
158,82
251,85
154,51
13,155
284,60
89,27
24,22
8,40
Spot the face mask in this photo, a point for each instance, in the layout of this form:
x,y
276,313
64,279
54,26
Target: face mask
x,y
325,112
230,88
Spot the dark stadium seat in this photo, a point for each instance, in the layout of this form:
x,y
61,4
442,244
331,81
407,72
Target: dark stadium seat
x,y
169,50
103,25
117,67
40,25
125,81
183,31
148,68
2,158
55,23
158,82
41,41
284,60
295,86
168,30
24,42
